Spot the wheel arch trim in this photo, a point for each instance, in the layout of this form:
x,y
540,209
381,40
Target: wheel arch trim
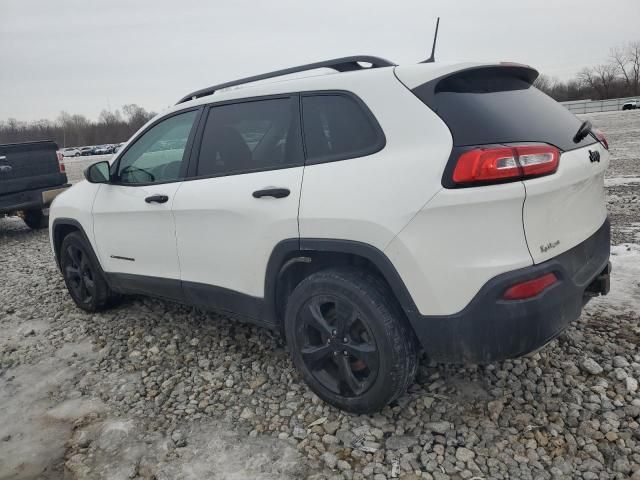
x,y
286,250
57,242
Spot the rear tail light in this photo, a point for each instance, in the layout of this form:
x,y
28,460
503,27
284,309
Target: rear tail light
x,y
601,137
530,288
60,162
505,163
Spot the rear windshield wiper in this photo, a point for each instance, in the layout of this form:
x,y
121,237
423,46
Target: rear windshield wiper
x,y
583,131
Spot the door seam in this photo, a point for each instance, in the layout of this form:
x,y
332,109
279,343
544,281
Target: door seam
x,y
524,230
175,231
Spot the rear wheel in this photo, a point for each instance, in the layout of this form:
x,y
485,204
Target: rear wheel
x,y
35,219
83,276
349,340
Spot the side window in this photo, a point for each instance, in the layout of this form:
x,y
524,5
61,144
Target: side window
x,y
337,127
251,136
158,154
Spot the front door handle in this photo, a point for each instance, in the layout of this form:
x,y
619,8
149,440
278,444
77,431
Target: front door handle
x,y
272,192
157,199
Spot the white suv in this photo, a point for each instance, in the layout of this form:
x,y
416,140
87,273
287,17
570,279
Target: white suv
x,y
366,213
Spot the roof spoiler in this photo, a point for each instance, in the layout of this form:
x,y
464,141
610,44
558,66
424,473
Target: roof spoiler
x,y
479,78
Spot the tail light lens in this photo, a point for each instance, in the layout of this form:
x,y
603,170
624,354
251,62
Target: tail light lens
x,y
530,288
60,162
505,163
601,137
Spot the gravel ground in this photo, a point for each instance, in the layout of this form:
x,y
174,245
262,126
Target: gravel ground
x,y
153,389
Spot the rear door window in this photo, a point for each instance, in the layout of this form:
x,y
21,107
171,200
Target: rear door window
x,y
496,105
251,136
337,127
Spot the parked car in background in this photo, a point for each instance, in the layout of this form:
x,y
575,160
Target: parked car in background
x,y
103,149
85,151
31,176
70,152
454,208
631,104
117,147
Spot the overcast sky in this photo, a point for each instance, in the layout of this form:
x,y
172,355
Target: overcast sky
x,y
83,56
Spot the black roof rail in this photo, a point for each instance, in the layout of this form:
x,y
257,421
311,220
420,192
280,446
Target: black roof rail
x,y
344,64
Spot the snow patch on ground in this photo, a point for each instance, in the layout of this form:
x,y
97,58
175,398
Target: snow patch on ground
x,y
33,435
122,449
75,408
618,181
624,296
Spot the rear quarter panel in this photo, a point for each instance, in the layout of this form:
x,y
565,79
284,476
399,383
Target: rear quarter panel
x,y
370,199
459,241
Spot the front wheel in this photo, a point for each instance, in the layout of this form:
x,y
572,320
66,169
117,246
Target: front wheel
x,y
83,276
350,340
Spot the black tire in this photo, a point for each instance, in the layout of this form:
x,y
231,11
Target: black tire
x,y
350,340
35,219
83,276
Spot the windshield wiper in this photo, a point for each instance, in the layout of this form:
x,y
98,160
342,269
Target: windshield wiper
x,y
583,131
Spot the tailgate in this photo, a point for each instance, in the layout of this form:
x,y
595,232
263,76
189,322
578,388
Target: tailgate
x,y
562,210
29,166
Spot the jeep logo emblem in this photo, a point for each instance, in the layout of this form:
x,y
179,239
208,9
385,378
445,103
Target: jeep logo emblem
x,y
594,156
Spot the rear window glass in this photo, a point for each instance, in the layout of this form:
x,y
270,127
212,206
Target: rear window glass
x,y
337,127
251,136
487,106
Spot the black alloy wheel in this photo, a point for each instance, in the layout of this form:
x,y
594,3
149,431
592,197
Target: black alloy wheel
x,y
83,276
349,339
79,274
338,347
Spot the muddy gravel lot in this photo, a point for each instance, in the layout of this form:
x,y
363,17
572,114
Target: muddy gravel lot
x,y
153,389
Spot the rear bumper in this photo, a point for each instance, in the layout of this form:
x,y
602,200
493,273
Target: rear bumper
x,y
30,199
491,329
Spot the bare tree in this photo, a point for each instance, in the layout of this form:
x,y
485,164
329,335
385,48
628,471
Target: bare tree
x,y
599,79
77,130
627,62
620,61
136,115
587,78
606,75
633,58
544,84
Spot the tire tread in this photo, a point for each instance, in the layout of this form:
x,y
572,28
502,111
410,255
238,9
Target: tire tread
x,y
105,297
375,291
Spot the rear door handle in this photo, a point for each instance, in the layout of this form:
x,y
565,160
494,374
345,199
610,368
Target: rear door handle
x,y
272,192
157,199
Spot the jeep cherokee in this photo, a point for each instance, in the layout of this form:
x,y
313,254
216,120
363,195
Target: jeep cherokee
x,y
368,214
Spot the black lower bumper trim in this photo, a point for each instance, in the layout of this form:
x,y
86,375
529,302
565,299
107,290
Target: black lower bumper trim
x,y
491,328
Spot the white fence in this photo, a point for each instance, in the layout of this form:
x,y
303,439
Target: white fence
x,y
592,106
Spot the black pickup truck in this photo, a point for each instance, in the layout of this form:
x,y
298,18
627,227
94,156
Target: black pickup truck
x,y
31,176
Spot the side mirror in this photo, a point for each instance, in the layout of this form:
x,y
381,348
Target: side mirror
x,y
98,172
